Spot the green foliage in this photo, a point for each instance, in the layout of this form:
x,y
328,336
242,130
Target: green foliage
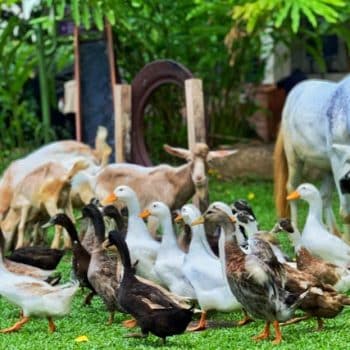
x,y
194,34
17,63
20,122
165,125
295,21
277,12
191,32
218,40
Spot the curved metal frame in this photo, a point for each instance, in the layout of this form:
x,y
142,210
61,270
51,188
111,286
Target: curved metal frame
x,y
150,77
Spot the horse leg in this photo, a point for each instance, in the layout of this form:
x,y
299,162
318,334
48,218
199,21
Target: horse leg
x,y
326,193
339,154
295,168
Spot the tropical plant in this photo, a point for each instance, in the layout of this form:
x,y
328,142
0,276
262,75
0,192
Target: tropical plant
x,y
218,40
304,23
278,13
20,121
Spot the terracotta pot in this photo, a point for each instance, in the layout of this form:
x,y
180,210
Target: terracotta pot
x,y
266,119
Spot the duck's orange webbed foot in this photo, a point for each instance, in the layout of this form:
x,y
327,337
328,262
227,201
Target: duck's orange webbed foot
x,y
264,334
202,324
18,325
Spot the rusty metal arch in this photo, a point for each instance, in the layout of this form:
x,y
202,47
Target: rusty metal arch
x,y
150,77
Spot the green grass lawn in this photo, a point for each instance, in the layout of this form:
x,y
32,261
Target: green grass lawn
x,y
92,321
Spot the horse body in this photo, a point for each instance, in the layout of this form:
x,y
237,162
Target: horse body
x,y
315,130
304,122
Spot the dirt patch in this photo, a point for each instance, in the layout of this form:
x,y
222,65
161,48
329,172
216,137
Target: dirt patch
x,y
254,160
251,160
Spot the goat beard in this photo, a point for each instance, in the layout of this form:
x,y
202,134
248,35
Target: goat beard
x,y
202,191
201,197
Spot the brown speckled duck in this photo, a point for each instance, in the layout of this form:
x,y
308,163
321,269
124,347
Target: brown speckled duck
x,y
103,269
254,274
324,271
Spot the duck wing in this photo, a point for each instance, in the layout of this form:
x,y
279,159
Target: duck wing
x,y
265,260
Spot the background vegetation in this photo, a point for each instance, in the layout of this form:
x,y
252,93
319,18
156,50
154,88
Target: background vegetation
x,y
219,41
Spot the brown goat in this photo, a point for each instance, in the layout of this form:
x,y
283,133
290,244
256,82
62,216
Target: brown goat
x,y
172,185
65,152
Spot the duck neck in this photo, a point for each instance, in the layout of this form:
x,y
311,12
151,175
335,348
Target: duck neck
x,y
251,228
226,235
133,207
169,239
199,240
196,240
295,237
228,250
315,208
124,254
67,223
115,215
99,225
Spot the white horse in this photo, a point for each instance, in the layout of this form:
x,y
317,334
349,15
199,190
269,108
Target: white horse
x,y
315,130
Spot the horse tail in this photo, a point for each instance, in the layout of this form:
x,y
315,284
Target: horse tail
x,y
280,174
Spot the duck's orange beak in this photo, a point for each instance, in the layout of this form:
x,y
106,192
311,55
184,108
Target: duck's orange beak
x,y
145,214
178,218
233,219
293,196
109,199
198,221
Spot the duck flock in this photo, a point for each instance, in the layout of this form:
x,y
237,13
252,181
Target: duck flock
x,y
215,260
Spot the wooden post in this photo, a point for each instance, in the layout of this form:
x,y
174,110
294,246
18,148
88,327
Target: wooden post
x,y
195,111
196,130
122,122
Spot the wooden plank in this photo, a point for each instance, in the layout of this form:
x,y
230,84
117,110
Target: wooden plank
x,y
122,123
195,112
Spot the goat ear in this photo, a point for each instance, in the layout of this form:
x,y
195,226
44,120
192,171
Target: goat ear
x,y
178,152
220,154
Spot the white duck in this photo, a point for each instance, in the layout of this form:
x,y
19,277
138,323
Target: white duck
x,y
315,237
33,296
203,269
170,258
143,247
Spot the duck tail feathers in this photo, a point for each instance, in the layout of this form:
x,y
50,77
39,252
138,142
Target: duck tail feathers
x,y
345,300
294,300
